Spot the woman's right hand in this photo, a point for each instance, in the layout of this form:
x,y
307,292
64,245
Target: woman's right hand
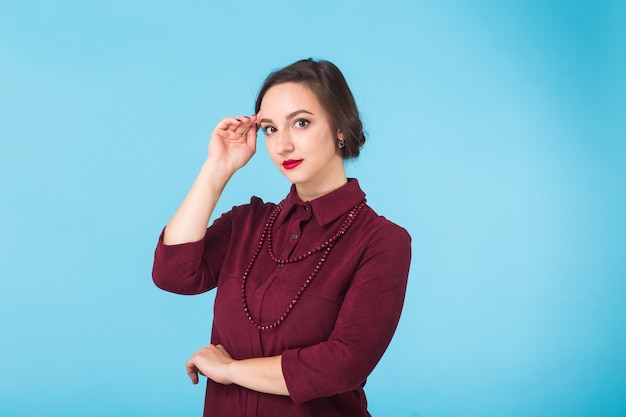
x,y
233,142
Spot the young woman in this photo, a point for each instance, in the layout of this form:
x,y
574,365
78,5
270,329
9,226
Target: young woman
x,y
310,290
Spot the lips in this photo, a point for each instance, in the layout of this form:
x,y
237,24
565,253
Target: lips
x,y
291,163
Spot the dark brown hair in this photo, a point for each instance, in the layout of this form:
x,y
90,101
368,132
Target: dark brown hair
x,y
333,93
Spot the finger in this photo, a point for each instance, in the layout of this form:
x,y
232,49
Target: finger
x,y
234,128
240,121
252,126
246,122
228,123
192,371
231,135
251,132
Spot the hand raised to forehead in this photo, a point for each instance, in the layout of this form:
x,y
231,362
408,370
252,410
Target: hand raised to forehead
x,y
233,141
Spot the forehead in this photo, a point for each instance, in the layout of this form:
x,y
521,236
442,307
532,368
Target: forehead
x,y
287,97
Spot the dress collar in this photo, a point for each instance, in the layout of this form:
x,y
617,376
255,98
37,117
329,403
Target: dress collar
x,y
328,207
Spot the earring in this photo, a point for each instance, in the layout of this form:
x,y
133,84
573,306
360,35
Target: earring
x,y
341,144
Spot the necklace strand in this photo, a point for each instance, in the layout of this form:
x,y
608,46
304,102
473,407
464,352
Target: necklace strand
x,y
325,248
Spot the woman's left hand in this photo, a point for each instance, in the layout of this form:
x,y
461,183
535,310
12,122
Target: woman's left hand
x,y
211,361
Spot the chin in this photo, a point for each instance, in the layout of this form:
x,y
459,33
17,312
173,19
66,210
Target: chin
x,y
293,177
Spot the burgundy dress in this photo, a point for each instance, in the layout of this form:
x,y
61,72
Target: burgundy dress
x,y
339,327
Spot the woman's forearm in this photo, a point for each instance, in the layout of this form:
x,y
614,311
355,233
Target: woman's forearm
x,y
260,374
190,221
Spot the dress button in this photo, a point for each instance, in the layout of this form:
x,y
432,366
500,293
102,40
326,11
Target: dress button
x,y
294,236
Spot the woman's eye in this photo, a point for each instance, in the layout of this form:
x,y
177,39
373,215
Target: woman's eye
x,y
301,123
269,130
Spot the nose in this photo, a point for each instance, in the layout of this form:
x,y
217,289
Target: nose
x,y
283,143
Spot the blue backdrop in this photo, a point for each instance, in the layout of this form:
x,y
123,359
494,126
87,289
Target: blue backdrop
x,y
496,137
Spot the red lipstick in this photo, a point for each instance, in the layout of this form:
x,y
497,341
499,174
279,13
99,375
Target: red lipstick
x,y
291,163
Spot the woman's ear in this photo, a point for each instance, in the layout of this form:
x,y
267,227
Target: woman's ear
x,y
341,143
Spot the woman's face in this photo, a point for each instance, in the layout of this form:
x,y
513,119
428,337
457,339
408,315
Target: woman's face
x,y
301,140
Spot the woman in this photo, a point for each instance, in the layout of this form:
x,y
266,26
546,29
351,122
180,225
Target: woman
x,y
309,291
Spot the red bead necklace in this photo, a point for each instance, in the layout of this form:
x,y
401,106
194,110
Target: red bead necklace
x,y
326,247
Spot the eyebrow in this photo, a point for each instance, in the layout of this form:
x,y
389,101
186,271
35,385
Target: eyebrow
x,y
289,116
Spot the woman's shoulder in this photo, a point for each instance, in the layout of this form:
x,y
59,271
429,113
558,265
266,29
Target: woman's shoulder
x,y
244,216
377,224
255,208
256,203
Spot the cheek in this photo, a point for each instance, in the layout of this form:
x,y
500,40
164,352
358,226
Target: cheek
x,y
270,150
327,144
268,145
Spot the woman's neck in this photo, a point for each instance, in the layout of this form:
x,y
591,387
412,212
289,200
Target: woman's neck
x,y
308,192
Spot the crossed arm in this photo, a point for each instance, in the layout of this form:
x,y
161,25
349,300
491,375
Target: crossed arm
x,y
258,374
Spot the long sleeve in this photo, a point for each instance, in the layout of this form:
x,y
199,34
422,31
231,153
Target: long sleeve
x,y
192,268
365,325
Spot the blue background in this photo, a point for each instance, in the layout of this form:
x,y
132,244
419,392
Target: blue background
x,y
496,137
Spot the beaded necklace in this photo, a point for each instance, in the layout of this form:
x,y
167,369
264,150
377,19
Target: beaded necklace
x,y
326,247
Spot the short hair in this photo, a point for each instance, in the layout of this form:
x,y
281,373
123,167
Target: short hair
x,y
331,89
